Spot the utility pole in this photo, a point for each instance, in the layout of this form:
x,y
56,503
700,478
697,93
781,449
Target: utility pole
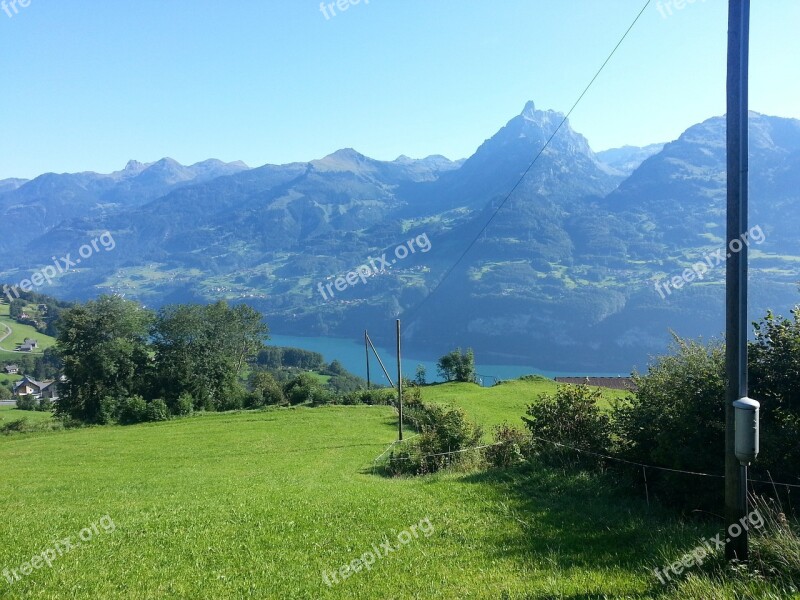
x,y
736,274
366,351
399,384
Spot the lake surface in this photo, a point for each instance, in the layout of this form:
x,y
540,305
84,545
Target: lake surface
x,y
351,354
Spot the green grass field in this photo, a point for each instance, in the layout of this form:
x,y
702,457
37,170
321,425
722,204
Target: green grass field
x,y
501,403
10,413
260,504
18,335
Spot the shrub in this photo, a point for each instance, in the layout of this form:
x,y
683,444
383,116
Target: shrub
x,y
16,426
371,397
774,361
44,405
132,410
27,403
183,405
157,411
511,445
301,389
233,399
444,431
571,417
265,391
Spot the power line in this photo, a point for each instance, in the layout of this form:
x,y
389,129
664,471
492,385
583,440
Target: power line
x,y
533,162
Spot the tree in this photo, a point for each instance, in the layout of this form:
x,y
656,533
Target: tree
x,y
421,375
103,347
202,350
458,366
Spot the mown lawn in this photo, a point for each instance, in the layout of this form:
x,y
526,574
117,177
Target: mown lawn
x,y
259,504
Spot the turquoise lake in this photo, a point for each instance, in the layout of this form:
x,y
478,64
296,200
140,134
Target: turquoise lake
x,y
351,354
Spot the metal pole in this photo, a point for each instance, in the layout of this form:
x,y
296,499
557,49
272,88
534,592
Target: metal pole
x,y
399,383
380,362
736,274
366,351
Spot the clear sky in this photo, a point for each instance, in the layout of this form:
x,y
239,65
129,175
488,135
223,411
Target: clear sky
x,y
90,84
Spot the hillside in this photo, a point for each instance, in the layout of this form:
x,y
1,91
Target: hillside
x,y
12,334
261,504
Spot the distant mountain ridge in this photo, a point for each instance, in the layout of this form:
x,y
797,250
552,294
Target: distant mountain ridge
x,y
563,276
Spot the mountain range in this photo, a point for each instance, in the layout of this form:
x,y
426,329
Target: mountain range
x,y
562,277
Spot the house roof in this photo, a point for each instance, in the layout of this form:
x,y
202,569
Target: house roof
x,y
41,385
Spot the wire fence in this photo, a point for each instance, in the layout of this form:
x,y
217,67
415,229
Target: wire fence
x,y
643,466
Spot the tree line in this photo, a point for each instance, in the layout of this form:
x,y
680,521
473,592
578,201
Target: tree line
x,y
120,359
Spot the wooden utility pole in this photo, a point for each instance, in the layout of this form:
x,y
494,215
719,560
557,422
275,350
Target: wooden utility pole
x,y
399,385
736,275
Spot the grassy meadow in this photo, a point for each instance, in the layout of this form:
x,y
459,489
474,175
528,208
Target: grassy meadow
x,y
260,504
18,335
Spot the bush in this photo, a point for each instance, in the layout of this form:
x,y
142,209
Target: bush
x,y
571,417
444,430
133,410
16,426
183,405
301,389
27,403
265,391
235,398
157,411
44,405
511,446
371,397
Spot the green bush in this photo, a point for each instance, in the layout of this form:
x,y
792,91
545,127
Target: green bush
x,y
301,389
27,403
157,411
234,398
44,405
676,419
132,410
510,446
379,396
444,431
571,417
16,426
774,361
264,391
183,405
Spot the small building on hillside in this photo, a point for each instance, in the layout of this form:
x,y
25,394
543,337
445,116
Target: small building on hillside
x,y
11,369
27,386
29,345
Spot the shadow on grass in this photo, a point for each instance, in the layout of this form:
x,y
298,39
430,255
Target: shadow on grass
x,y
577,520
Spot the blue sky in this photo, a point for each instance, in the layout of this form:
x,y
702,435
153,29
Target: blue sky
x,y
88,85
